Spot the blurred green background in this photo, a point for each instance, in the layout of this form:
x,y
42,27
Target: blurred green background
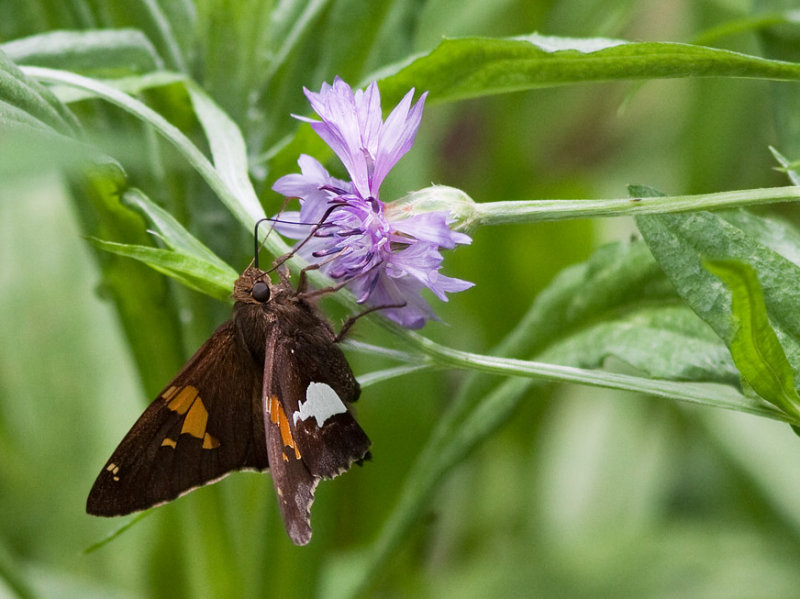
x,y
583,493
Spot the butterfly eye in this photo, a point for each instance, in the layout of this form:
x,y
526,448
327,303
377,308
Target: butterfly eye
x,y
260,292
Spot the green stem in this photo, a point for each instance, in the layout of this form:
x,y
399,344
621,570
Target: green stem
x,y
499,213
707,394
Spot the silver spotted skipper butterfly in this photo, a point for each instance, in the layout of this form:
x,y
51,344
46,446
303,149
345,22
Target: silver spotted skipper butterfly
x,y
269,390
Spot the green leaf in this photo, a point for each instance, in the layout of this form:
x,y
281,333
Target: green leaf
x,y
195,273
780,42
754,345
684,245
26,145
288,26
229,152
129,85
680,243
662,341
378,23
236,52
222,135
99,52
612,305
146,309
294,43
789,167
24,100
117,533
174,234
168,24
13,575
472,67
755,22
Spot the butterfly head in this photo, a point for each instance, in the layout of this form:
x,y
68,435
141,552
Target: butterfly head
x,y
255,287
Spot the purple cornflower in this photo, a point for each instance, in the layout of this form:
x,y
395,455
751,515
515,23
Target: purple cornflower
x,y
386,256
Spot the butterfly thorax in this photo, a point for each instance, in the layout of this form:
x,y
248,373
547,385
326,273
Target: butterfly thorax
x,y
284,309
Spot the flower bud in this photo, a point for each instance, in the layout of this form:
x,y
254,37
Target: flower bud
x,y
460,207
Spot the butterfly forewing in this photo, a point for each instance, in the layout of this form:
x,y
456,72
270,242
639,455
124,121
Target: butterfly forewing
x,y
204,424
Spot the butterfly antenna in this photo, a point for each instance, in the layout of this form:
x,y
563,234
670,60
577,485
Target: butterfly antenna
x,y
256,243
314,228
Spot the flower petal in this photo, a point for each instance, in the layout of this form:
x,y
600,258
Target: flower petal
x,y
396,137
346,126
433,227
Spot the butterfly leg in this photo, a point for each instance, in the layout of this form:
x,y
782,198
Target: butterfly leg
x,y
324,290
352,319
302,281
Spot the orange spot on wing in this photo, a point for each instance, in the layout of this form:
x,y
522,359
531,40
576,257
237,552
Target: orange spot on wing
x,y
186,400
183,400
278,416
196,420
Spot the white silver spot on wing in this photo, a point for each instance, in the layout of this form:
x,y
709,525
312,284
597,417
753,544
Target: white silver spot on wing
x,y
321,403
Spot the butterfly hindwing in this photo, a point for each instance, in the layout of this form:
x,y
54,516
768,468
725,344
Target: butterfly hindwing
x,y
311,434
207,422
324,390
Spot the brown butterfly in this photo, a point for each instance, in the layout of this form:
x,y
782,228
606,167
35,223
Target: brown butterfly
x,y
269,390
